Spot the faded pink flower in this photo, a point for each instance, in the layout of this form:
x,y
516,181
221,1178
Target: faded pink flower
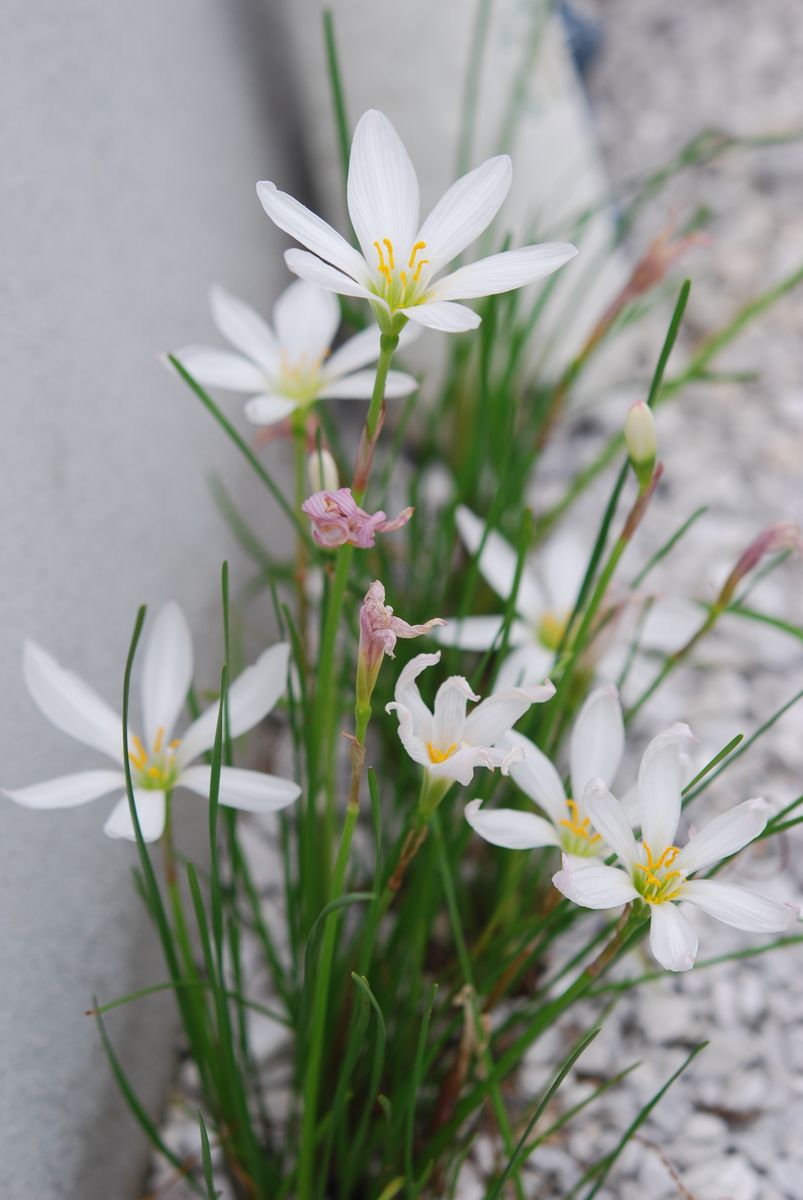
x,y
784,535
337,519
379,628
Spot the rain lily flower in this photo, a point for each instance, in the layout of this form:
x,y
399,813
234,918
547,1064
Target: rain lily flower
x,y
656,872
159,761
379,629
337,518
596,747
289,366
400,268
449,743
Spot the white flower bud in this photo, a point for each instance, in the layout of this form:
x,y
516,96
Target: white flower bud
x,y
641,441
322,471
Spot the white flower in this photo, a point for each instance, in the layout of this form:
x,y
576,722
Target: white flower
x,y
288,366
448,743
159,762
596,748
657,872
399,270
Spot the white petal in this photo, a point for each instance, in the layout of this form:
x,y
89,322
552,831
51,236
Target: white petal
x,y
563,560
306,319
269,410
250,791
251,697
382,189
70,704
528,664
244,328
509,828
447,318
723,836
166,672
221,368
315,271
360,386
462,765
407,695
357,352
470,633
410,734
500,711
537,777
673,940
150,813
598,740
497,564
464,211
297,220
503,272
609,819
740,907
591,884
450,712
67,791
659,786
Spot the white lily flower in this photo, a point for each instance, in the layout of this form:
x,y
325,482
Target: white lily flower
x,y
449,743
399,270
657,872
159,762
595,751
289,366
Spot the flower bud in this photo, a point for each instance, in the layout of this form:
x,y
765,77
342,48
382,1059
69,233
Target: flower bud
x,y
641,441
322,471
379,629
775,539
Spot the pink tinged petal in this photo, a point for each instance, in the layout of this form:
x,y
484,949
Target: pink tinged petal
x,y
269,410
503,272
609,819
740,907
537,777
598,740
527,664
70,704
317,235
250,791
382,189
68,790
221,368
251,697
673,940
443,316
592,884
360,386
500,712
308,267
497,564
166,672
471,633
306,319
723,836
509,828
660,781
150,813
450,712
464,211
245,328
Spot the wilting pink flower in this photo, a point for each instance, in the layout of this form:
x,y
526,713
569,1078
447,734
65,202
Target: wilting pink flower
x,y
785,535
379,628
337,519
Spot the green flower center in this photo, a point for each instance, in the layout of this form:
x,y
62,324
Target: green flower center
x,y
579,837
155,771
399,286
654,880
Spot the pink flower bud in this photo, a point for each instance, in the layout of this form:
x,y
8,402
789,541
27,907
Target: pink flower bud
x,y
337,519
379,629
785,535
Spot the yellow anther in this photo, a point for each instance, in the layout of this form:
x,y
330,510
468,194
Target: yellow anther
x,y
389,247
154,772
579,828
174,745
403,278
418,246
422,263
659,883
157,745
439,756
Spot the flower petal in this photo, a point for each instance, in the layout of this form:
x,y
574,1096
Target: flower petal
x,y
659,786
497,564
447,318
500,711
449,719
537,777
465,210
592,884
740,907
67,790
166,672
527,664
150,812
462,765
242,325
269,410
361,350
723,836
306,319
70,704
315,271
360,386
251,697
503,272
609,819
297,220
598,740
470,633
406,694
250,791
221,368
673,940
382,188
509,828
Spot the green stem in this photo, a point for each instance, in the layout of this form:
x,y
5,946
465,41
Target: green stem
x,y
365,455
299,424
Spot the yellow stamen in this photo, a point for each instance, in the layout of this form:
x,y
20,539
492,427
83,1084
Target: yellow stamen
x,y
383,268
658,884
439,756
579,828
403,278
174,745
157,745
422,263
418,246
154,772
389,246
